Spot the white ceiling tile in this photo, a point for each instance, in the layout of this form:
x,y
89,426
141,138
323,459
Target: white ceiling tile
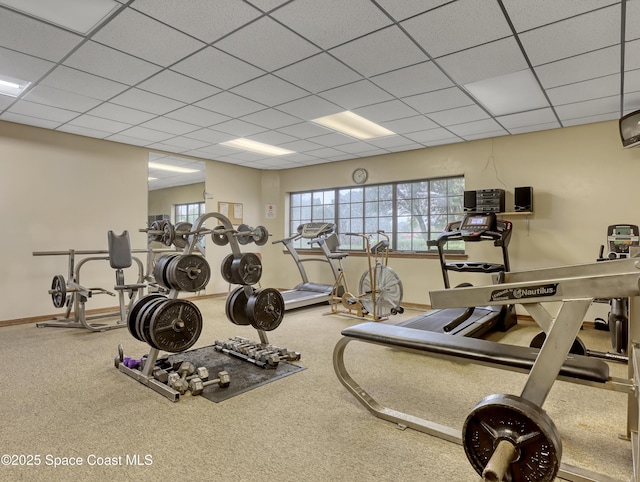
x,y
574,36
177,86
83,131
128,140
442,142
534,128
300,146
410,124
309,108
146,134
386,111
210,136
203,19
248,156
325,152
186,143
526,15
138,35
99,124
591,119
269,90
81,83
239,128
271,119
587,90
146,101
431,135
415,79
267,5
198,116
6,101
21,66
217,68
458,116
581,67
439,100
405,147
632,81
595,107
218,150
485,135
409,8
274,138
355,147
632,26
477,127
484,62
301,158
382,51
391,142
170,126
165,146
267,44
331,139
318,73
230,104
523,119
631,102
632,55
358,94
118,112
42,94
476,22
97,59
40,111
32,37
28,120
331,22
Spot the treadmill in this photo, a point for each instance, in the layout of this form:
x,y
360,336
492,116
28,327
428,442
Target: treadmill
x,y
309,293
475,321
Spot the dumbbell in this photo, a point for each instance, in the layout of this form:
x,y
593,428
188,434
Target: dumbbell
x,y
178,380
197,385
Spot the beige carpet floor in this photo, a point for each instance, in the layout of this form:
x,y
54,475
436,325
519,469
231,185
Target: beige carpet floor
x,y
63,399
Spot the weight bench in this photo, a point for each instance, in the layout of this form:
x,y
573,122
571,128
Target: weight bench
x,y
493,447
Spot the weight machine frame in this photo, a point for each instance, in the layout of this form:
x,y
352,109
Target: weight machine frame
x,y
145,375
79,294
575,287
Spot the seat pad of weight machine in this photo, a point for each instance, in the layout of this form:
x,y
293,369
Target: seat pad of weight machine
x,y
473,349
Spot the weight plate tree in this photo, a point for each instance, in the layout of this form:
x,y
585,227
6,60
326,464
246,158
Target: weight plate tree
x,y
389,291
524,425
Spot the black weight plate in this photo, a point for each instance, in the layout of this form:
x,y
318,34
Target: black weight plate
x,y
175,326
59,288
159,270
155,226
522,423
265,309
225,269
219,238
260,235
247,269
142,320
246,237
168,234
189,272
135,309
181,240
236,307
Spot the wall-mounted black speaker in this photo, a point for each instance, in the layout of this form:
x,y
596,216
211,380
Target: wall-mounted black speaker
x,y
523,199
469,201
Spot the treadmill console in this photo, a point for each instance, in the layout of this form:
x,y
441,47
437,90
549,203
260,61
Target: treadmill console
x,y
315,230
620,237
474,224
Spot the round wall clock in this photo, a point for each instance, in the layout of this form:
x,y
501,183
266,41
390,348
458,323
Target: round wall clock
x,y
360,175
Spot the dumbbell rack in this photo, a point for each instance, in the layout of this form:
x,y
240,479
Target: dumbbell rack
x,y
145,375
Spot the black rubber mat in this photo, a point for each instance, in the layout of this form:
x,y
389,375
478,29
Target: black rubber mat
x,y
244,375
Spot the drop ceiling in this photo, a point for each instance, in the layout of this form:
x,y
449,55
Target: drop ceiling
x,y
182,76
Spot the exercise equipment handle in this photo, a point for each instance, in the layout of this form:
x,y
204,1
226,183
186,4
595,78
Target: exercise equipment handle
x,y
498,464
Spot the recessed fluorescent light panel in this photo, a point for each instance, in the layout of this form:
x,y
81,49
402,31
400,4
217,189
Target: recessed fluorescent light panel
x,y
77,15
11,86
152,179
254,146
166,167
508,94
353,125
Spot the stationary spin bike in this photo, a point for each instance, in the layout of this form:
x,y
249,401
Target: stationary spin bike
x,y
380,289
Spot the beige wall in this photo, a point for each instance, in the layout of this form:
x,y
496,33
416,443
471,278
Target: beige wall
x,y
161,201
61,191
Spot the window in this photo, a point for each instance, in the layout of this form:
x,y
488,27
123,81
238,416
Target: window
x,y
188,213
410,212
